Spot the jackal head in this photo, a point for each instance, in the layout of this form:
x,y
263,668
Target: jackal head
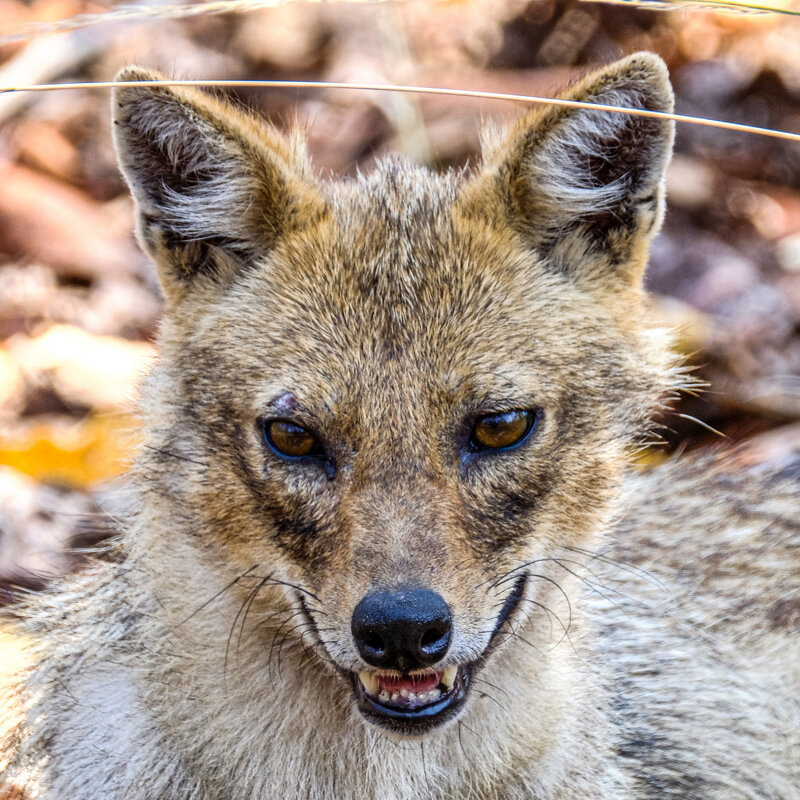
x,y
402,401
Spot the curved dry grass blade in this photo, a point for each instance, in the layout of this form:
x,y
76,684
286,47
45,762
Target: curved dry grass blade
x,y
377,87
683,5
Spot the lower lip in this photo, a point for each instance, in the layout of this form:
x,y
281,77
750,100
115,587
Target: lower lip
x,y
416,720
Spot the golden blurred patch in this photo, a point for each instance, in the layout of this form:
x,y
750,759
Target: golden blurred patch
x,y
74,454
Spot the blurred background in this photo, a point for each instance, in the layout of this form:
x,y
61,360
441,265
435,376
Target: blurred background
x,y
79,305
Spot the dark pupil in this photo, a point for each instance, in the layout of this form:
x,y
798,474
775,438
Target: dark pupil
x,y
291,440
501,430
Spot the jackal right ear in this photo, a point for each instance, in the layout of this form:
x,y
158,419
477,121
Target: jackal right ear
x,y
585,187
212,186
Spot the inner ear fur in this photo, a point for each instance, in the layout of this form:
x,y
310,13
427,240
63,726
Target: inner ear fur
x,y
585,188
212,186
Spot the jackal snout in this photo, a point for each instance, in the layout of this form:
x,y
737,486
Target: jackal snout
x,y
406,630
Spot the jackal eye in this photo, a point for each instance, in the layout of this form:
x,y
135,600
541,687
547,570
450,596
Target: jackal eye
x,y
501,431
290,440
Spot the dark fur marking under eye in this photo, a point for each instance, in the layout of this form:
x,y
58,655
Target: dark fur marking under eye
x,y
497,517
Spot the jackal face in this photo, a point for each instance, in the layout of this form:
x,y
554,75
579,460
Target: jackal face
x,y
405,399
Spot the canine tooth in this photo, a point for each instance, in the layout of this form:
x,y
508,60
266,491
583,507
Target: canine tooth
x,y
383,696
395,696
370,682
449,677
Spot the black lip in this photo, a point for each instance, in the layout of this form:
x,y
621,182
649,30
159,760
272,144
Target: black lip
x,y
509,606
418,720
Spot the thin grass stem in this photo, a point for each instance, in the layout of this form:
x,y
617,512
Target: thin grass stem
x,y
376,87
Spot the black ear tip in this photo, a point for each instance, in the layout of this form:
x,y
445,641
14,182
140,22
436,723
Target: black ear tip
x,y
136,74
650,72
647,62
125,99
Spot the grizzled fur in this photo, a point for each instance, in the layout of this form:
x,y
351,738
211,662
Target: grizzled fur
x,y
654,651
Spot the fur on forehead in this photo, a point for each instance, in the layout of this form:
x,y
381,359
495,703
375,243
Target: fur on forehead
x,y
397,191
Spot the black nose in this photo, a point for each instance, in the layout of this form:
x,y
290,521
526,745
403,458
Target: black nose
x,y
405,630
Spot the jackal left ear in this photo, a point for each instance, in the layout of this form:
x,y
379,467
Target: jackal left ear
x,y
213,187
585,187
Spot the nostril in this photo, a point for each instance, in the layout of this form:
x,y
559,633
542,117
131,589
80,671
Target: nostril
x,y
430,638
434,643
370,631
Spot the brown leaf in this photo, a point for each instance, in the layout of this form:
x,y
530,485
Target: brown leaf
x,y
43,219
42,145
96,371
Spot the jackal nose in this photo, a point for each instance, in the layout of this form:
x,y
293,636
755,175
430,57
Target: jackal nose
x,y
405,630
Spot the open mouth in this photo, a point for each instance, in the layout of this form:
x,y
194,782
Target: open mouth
x,y
411,703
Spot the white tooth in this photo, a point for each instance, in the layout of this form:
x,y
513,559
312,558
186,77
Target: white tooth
x,y
370,682
412,696
434,694
404,693
383,696
395,697
449,677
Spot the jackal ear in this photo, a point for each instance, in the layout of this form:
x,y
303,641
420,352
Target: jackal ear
x,y
212,186
586,187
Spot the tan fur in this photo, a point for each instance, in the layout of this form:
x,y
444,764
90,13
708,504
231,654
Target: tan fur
x,y
653,653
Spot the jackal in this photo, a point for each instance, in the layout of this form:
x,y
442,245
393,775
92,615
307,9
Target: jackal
x,y
388,544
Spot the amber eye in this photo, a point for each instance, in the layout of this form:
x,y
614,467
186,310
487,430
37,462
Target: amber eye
x,y
290,440
500,431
